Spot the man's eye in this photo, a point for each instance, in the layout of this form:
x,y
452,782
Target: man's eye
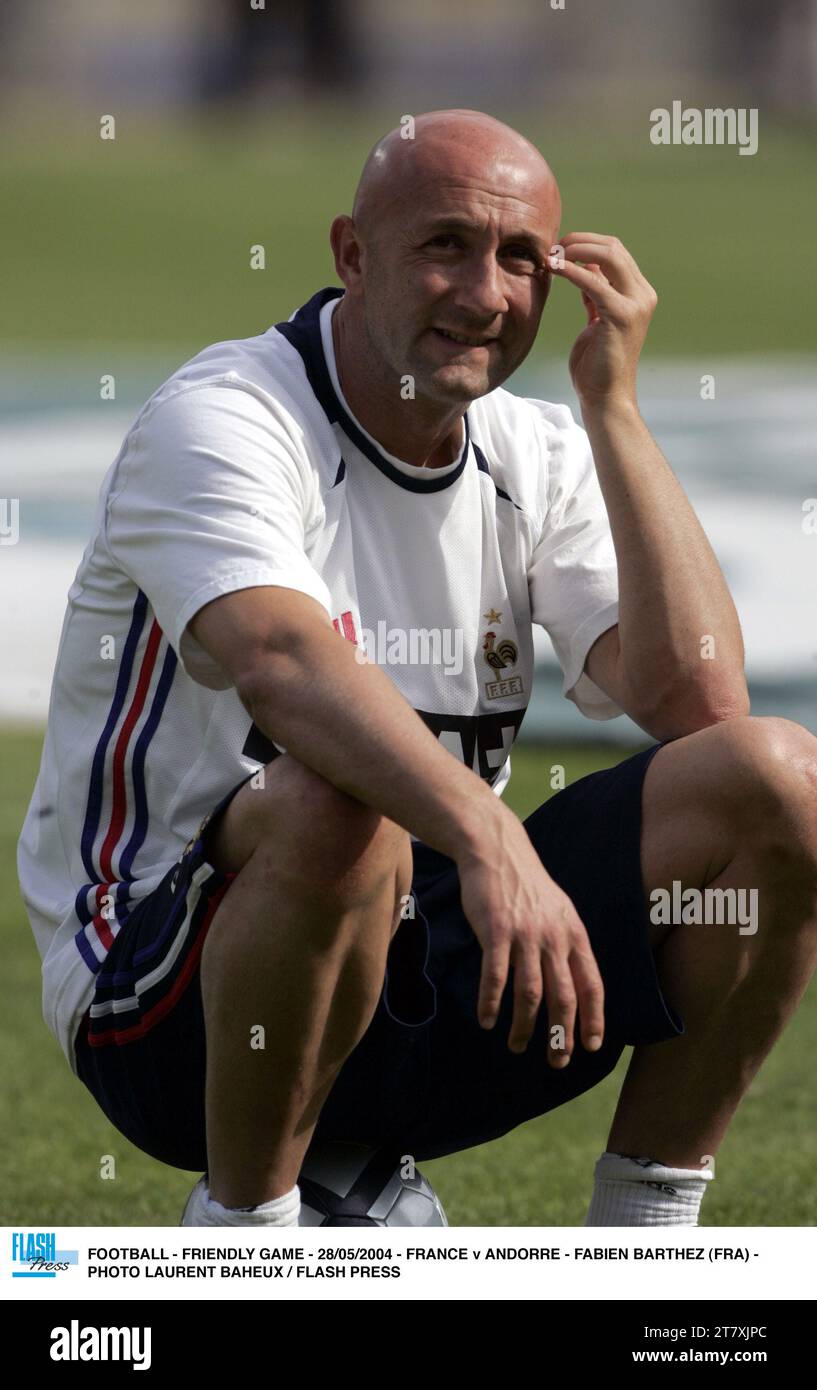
x,y
443,239
521,253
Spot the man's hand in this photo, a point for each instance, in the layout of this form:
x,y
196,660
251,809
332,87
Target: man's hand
x,y
521,918
619,304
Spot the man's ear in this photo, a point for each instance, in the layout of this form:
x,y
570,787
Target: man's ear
x,y
346,250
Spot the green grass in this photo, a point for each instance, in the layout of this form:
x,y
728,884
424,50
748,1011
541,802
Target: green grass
x,y
539,1175
145,239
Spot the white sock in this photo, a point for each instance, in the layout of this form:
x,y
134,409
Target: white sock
x,y
643,1192
204,1210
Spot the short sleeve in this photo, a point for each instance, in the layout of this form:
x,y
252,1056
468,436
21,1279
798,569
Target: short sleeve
x,y
211,495
573,575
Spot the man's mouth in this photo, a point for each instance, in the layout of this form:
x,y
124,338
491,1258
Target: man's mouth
x,y
465,339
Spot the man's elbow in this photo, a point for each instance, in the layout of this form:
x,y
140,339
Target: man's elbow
x,y
686,710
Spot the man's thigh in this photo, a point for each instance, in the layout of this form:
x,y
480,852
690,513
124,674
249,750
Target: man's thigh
x,y
462,1085
141,1047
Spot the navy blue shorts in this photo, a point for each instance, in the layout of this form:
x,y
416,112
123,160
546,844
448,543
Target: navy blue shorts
x,y
425,1079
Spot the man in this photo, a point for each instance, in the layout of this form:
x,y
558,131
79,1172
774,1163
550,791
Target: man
x,y
274,885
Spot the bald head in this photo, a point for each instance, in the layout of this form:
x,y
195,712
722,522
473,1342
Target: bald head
x,y
439,147
444,260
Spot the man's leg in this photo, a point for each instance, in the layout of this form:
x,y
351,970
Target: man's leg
x,y
298,946
732,806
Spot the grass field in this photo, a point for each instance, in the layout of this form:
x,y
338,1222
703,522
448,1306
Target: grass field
x,y
146,239
539,1175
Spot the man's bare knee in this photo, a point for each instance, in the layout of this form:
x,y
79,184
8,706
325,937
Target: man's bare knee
x,y
310,834
747,785
765,771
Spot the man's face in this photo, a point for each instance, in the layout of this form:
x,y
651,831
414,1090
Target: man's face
x,y
468,261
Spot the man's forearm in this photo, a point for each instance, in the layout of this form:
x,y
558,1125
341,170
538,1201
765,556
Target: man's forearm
x,y
348,721
672,592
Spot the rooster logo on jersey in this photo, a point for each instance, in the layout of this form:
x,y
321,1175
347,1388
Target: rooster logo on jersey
x,y
505,653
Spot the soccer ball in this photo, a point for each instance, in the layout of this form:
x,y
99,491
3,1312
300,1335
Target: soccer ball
x,y
344,1184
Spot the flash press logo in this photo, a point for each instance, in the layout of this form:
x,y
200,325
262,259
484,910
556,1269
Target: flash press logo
x,y
35,1255
75,1343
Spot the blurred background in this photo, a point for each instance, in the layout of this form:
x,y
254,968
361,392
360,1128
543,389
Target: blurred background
x,y
237,125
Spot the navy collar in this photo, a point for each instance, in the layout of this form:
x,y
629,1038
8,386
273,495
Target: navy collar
x,y
303,332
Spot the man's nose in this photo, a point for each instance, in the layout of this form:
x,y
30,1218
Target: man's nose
x,y
482,291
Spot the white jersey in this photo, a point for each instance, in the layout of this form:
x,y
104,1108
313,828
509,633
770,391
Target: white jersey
x,y
246,468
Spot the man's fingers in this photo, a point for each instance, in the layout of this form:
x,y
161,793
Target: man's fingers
x,y
588,236
613,261
561,1008
594,285
597,238
492,980
599,242
527,996
590,992
621,273
592,309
